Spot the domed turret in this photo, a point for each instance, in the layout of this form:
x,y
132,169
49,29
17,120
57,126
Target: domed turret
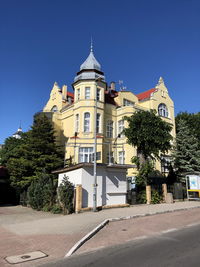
x,y
91,63
90,69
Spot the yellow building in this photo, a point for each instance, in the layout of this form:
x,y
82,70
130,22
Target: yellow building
x,y
73,115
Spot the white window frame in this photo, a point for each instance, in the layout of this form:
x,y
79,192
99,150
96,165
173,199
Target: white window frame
x,y
165,163
98,124
109,129
163,110
85,154
86,123
87,92
110,157
121,157
77,123
121,127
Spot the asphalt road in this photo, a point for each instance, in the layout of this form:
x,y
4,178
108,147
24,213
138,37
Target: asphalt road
x,y
173,248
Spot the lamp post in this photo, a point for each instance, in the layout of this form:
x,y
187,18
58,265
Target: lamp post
x,y
95,150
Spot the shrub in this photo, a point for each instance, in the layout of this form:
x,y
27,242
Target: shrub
x,y
141,196
56,209
42,192
66,195
155,197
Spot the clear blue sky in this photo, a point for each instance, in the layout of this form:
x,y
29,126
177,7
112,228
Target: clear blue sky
x,y
137,41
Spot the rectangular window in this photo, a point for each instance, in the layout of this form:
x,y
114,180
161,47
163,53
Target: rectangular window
x,y
109,129
78,94
85,154
128,102
98,123
121,127
87,92
98,156
110,158
98,94
121,157
165,164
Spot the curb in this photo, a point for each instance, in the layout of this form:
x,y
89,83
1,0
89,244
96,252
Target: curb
x,y
86,237
105,222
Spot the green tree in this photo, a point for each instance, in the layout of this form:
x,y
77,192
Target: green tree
x,y
8,149
34,154
149,134
16,158
45,154
192,120
187,153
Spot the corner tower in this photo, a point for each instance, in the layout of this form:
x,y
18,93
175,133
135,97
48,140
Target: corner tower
x,y
89,100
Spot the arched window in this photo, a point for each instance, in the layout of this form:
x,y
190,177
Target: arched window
x,y
163,111
54,109
86,122
98,122
109,129
77,123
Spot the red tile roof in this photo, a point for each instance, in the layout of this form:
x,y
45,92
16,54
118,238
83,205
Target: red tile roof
x,y
146,94
70,94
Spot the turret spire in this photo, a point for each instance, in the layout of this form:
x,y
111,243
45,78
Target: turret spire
x,y
91,45
90,68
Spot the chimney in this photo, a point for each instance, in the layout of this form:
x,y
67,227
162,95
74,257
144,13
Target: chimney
x,y
112,86
64,92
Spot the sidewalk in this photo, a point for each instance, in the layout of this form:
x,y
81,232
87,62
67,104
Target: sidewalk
x,y
23,230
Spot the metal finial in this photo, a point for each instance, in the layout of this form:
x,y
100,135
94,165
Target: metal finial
x,y
91,46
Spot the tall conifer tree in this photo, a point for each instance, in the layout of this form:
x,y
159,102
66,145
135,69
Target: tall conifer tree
x,y
187,153
36,153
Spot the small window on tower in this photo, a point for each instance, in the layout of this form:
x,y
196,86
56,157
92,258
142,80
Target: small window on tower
x,y
78,94
98,94
87,92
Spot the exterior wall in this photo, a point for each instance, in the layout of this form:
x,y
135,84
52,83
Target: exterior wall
x,y
126,95
111,189
74,176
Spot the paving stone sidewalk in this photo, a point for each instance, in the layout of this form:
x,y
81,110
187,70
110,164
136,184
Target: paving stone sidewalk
x,y
23,230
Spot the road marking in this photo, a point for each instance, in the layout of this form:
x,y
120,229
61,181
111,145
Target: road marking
x,y
169,230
